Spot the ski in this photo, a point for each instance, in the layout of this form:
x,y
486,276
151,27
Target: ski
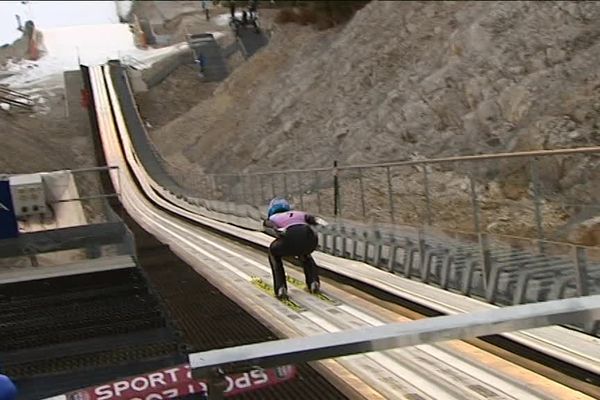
x,y
320,294
267,288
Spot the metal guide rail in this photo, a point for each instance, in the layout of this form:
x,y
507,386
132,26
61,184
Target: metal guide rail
x,y
513,278
423,372
580,350
396,335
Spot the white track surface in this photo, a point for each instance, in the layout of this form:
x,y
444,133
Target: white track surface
x,y
452,370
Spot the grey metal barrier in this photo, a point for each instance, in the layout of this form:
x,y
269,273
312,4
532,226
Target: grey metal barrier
x,y
551,191
507,228
436,220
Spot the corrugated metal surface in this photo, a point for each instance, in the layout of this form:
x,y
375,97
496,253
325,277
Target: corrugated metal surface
x,y
54,329
210,320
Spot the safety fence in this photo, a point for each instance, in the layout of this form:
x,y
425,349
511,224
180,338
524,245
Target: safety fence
x,y
510,228
480,225
540,195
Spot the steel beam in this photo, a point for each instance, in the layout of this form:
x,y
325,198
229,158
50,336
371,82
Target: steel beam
x,y
63,239
430,330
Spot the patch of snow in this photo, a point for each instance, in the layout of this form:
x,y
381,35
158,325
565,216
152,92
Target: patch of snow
x,y
217,35
223,19
55,14
88,44
123,7
16,67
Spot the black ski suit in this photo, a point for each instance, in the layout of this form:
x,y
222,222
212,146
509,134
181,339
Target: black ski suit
x,y
298,240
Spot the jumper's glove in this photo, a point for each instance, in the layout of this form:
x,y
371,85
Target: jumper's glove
x,y
321,221
270,229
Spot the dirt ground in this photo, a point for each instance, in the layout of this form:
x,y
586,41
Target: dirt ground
x,y
43,141
174,96
405,80
178,18
47,140
313,90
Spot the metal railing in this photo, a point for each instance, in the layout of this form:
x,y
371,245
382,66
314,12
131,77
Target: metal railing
x,y
395,335
103,233
430,220
511,227
542,187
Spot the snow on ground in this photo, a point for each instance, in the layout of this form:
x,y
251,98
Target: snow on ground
x,y
90,44
123,7
56,14
223,19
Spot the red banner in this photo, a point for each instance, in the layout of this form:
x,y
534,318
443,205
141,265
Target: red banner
x,y
86,98
175,382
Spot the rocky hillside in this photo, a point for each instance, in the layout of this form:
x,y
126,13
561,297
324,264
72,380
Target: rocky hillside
x,y
412,77
407,79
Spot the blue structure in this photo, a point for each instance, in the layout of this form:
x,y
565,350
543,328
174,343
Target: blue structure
x,y
8,220
8,390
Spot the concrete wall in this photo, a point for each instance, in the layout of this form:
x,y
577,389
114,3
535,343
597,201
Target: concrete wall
x,y
159,70
76,114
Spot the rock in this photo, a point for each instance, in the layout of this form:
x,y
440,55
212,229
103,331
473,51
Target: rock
x,y
549,173
471,126
493,141
474,89
554,55
514,103
574,135
587,233
430,11
582,114
435,81
288,125
488,111
492,75
513,192
517,70
494,191
536,63
501,84
572,9
492,227
477,39
341,134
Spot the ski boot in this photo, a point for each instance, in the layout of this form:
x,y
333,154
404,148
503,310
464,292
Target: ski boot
x,y
314,287
282,294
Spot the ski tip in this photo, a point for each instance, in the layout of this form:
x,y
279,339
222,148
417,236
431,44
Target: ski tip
x,y
284,298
